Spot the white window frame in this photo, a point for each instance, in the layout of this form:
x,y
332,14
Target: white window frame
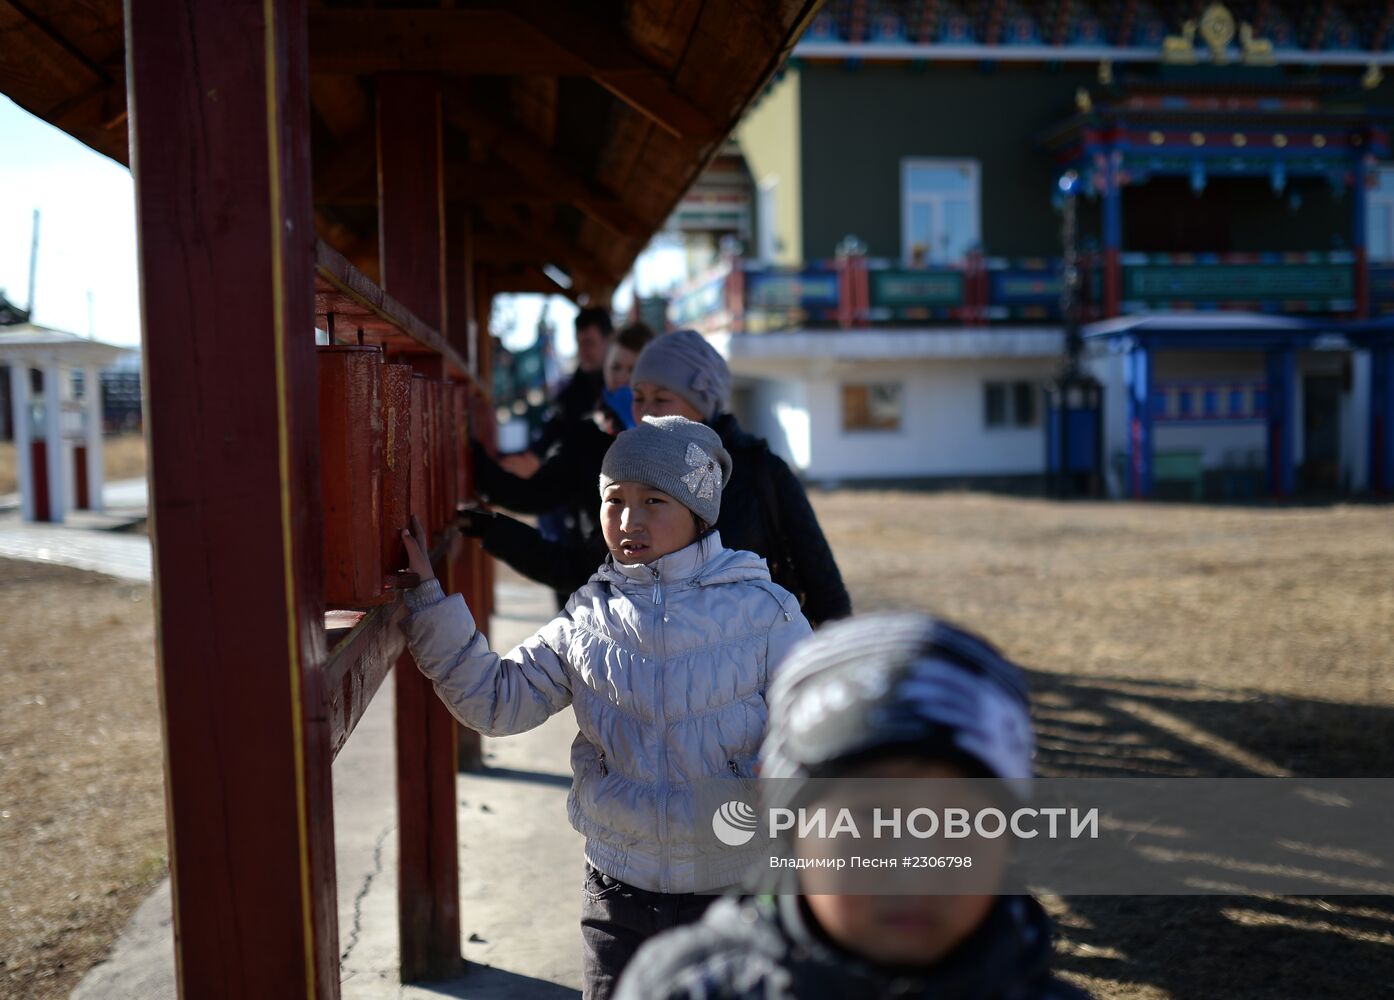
x,y
1386,199
936,202
1009,410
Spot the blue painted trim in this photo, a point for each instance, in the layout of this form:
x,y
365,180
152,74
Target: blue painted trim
x,y
1137,368
1362,197
1281,368
1382,420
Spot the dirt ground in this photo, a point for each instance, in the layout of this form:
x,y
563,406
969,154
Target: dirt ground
x,y
1161,639
123,457
1171,640
81,786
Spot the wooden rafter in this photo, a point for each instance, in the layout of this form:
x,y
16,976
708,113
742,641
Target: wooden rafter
x,y
540,39
613,62
520,244
477,41
50,32
540,166
527,279
348,179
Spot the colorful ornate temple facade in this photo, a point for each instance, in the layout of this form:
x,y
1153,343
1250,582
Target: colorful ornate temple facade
x,y
909,170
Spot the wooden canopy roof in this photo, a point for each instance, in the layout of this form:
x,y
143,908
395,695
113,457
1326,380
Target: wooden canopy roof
x,y
571,130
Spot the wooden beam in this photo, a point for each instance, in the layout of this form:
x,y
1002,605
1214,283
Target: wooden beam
x,y
522,245
342,104
58,39
357,667
348,176
232,405
527,278
348,173
612,61
359,302
412,230
481,41
538,39
541,167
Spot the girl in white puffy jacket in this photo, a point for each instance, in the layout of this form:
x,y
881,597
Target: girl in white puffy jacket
x,y
665,655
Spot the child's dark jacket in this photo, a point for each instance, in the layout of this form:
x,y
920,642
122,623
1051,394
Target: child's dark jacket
x,y
765,948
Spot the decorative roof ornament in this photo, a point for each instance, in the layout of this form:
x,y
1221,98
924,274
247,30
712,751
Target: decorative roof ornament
x,y
1217,28
1257,51
1181,48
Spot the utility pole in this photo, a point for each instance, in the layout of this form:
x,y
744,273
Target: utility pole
x,y
33,264
1074,418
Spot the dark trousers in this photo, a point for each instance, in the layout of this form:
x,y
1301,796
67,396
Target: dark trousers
x,y
616,918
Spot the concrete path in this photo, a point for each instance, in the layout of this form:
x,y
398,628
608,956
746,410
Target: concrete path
x,y
520,864
85,540
120,494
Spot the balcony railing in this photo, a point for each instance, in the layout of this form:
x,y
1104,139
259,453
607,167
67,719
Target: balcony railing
x,y
1306,283
741,296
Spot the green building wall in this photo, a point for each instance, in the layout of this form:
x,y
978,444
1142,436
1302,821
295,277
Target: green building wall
x,y
858,124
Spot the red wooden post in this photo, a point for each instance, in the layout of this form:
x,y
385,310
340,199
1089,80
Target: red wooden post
x,y
220,150
411,223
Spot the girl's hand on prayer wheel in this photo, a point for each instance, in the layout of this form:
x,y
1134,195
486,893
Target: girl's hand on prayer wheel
x,y
418,549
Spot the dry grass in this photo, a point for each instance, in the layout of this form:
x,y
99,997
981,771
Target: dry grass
x,y
123,457
1171,640
1284,601
81,787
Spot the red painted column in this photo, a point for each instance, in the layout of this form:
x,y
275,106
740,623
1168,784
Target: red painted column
x,y
81,494
38,463
412,227
220,155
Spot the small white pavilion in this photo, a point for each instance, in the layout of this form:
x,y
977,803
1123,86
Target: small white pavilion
x,y
57,434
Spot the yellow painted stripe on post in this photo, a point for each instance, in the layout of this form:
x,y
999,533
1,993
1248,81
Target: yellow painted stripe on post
x,y
278,325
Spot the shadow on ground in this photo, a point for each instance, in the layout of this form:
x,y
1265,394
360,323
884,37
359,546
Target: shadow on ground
x,y
1235,946
484,982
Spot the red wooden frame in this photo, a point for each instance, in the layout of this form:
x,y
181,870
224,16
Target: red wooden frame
x,y
411,221
255,703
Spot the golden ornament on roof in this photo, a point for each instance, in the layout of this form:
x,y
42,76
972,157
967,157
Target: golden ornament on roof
x,y
1217,28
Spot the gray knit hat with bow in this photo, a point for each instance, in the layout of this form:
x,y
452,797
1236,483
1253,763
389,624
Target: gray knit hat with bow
x,y
678,456
684,363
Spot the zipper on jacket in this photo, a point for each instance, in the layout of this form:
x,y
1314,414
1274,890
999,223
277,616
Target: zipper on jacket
x,y
662,770
604,768
736,770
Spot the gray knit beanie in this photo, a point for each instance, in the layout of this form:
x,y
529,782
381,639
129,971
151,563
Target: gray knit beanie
x,y
683,362
893,684
682,458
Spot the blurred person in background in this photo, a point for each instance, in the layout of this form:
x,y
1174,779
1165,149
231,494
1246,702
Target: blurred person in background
x,y
567,478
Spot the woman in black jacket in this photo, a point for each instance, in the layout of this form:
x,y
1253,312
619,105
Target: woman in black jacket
x,y
764,508
566,479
